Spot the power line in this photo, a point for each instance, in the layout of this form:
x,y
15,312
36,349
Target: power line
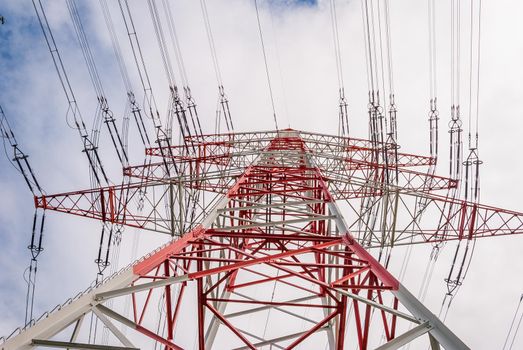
x,y
133,106
223,101
20,159
343,118
189,99
21,163
176,106
210,39
510,332
278,61
89,147
266,65
149,101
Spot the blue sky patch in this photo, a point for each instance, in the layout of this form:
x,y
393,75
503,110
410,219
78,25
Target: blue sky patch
x,y
293,2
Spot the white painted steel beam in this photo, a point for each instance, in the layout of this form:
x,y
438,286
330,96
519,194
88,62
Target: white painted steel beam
x,y
116,332
62,318
406,337
81,346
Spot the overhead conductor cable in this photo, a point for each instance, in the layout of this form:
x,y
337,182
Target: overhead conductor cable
x,y
89,147
223,101
132,103
149,101
472,164
21,164
266,65
343,122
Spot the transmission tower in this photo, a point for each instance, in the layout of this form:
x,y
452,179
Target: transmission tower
x,y
272,250
277,239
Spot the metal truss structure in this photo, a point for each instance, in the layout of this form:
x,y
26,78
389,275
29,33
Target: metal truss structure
x,y
271,239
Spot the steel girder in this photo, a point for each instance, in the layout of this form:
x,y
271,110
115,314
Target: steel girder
x,y
274,249
350,168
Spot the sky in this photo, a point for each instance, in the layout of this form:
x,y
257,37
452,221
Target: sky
x,y
302,66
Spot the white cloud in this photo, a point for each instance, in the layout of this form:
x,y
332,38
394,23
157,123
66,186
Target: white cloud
x,y
306,98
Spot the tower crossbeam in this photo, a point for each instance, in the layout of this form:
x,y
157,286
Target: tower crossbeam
x,y
277,226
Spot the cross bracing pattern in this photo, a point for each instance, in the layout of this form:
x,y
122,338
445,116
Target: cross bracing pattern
x,y
274,219
344,164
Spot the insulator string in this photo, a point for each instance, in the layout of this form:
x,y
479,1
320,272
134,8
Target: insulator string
x,y
472,163
343,119
149,101
21,163
20,159
433,108
132,106
35,247
89,147
186,113
189,99
176,106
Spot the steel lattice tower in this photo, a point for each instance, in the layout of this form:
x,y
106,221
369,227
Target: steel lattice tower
x,y
271,253
276,239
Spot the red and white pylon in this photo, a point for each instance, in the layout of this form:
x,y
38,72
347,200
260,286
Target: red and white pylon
x,y
272,262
